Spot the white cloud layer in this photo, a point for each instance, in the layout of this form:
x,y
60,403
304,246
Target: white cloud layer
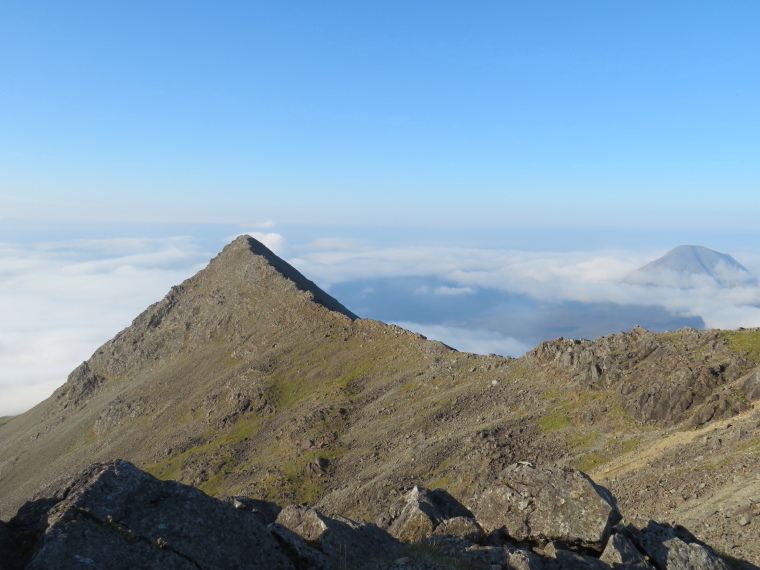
x,y
478,341
583,276
60,301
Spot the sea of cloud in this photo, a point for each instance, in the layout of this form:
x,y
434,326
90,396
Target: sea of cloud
x,y
552,277
61,299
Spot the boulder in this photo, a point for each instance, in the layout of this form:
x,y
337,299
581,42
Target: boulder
x,y
265,511
296,548
569,560
422,512
621,553
540,504
519,559
116,516
345,542
674,548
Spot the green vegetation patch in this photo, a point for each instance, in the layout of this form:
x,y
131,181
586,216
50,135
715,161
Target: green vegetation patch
x,y
213,485
748,341
581,440
5,419
590,461
553,421
439,479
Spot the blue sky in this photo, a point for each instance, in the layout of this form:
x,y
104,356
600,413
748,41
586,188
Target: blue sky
x,y
504,164
426,113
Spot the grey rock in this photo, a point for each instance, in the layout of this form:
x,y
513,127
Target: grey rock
x,y
519,559
542,504
484,555
265,511
422,512
569,560
621,553
751,385
345,542
296,548
116,516
673,548
745,519
85,543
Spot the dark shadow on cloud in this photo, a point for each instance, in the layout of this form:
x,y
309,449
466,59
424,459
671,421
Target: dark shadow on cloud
x,y
418,299
533,322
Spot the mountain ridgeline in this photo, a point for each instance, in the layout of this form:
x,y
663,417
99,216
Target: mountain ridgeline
x,y
249,380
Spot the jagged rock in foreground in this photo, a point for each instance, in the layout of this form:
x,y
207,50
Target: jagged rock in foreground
x,y
114,516
423,512
543,504
672,547
620,550
341,539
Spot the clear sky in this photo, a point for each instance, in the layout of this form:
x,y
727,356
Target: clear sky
x,y
515,113
486,173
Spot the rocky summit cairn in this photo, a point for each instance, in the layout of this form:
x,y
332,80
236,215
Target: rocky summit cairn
x,y
114,516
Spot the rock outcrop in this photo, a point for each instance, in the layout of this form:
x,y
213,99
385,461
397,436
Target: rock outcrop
x,y
543,504
114,516
687,376
423,512
342,540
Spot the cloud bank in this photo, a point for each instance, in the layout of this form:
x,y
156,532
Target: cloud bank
x,y
551,277
62,300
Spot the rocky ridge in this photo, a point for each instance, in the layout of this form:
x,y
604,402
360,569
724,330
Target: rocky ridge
x,y
248,380
115,516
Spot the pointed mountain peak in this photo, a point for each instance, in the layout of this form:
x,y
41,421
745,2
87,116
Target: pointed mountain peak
x,y
689,266
246,297
244,245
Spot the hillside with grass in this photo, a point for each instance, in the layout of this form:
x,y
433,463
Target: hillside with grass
x,y
247,379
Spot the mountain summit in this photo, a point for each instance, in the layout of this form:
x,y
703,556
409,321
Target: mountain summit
x,y
688,266
247,380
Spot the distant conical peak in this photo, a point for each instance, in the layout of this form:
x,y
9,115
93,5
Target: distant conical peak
x,y
684,264
248,243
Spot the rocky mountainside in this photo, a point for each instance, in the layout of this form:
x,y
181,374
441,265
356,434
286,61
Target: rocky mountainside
x,y
247,380
115,516
694,266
